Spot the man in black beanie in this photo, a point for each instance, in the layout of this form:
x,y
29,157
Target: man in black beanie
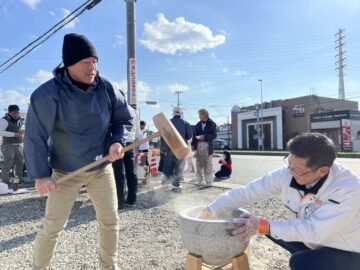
x,y
12,131
84,118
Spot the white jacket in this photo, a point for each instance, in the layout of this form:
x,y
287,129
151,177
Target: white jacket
x,y
330,218
142,135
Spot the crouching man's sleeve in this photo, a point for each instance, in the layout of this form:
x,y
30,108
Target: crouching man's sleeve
x,y
327,220
267,186
40,121
120,118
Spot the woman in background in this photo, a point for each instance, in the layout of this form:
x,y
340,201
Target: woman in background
x,y
226,166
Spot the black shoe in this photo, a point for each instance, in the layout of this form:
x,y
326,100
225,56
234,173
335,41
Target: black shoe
x,y
121,206
176,188
130,203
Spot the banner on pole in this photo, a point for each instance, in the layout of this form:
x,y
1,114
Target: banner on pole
x,y
132,84
346,135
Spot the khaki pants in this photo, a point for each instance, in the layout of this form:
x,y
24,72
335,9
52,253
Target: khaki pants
x,y
204,168
101,188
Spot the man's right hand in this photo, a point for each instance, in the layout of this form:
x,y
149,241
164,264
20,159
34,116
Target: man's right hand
x,y
45,185
19,135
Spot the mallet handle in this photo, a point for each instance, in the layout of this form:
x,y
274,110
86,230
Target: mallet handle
x,y
106,158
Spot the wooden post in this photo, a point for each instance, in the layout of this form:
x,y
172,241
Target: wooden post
x,y
193,262
241,262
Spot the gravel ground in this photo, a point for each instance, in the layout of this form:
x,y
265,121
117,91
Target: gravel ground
x,y
149,233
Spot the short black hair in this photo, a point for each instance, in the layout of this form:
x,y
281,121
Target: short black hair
x,y
227,156
142,123
317,148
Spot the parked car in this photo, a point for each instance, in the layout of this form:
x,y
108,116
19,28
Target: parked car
x,y
221,144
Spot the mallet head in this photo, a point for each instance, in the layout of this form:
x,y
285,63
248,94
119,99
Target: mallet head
x,y
171,136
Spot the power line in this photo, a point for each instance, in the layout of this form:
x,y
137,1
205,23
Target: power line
x,y
44,37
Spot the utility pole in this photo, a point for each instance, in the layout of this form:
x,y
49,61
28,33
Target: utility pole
x,y
340,60
262,115
258,126
131,59
178,92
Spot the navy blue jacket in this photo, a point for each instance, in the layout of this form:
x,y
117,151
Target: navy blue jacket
x,y
209,133
183,127
71,126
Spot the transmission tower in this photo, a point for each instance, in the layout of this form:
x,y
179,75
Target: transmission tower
x,y
340,63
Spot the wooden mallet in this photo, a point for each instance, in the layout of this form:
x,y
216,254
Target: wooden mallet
x,y
166,130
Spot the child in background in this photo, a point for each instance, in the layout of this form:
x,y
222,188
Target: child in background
x,y
226,166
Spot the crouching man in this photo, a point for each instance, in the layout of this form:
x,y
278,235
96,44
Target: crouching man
x,y
75,118
322,199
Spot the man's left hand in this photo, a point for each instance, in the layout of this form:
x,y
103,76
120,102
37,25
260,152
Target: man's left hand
x,y
249,226
115,152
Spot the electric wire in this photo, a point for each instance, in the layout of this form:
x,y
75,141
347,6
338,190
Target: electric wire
x,y
44,37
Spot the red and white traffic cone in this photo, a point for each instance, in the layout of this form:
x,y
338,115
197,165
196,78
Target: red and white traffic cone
x,y
153,166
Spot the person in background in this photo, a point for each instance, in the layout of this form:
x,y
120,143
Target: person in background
x,y
226,166
125,169
83,117
173,168
189,158
322,200
12,131
190,163
202,143
163,150
143,148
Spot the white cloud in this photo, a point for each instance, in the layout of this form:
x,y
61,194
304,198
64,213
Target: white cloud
x,y
225,70
213,55
40,77
52,13
143,89
32,3
178,87
178,36
119,41
70,24
4,50
242,73
12,97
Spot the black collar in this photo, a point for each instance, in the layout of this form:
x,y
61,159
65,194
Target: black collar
x,y
314,189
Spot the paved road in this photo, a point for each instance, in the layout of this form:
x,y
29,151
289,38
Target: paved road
x,y
247,168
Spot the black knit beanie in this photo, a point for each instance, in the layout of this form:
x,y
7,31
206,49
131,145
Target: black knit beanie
x,y
12,108
75,48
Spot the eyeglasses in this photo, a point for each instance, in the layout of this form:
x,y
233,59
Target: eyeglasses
x,y
294,171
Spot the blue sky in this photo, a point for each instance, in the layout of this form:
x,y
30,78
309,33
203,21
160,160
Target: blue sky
x,y
214,51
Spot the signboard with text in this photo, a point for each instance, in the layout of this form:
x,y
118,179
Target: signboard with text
x,y
299,110
336,115
132,78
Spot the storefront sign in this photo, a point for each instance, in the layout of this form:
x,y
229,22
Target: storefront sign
x,y
330,116
299,110
132,78
346,135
